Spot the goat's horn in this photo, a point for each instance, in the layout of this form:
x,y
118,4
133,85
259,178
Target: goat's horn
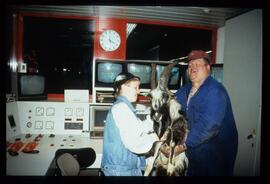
x,y
153,76
165,75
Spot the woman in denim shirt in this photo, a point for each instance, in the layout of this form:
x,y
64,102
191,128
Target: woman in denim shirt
x,y
126,137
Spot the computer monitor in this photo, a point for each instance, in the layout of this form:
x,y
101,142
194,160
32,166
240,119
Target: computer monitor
x,y
97,117
31,87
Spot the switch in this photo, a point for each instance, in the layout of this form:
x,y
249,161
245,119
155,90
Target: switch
x,y
50,111
79,112
68,112
49,125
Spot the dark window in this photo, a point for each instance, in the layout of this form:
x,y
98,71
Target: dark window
x,y
158,42
7,52
61,49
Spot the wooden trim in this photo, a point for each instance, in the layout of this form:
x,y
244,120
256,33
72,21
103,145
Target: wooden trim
x,y
55,96
19,38
214,45
61,97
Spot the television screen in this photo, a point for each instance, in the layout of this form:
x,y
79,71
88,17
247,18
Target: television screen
x,y
186,78
175,73
106,72
31,87
175,77
217,72
141,70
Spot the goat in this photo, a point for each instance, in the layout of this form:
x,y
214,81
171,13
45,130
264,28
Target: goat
x,y
165,113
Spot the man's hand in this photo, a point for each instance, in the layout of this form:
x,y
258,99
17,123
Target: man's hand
x,y
179,149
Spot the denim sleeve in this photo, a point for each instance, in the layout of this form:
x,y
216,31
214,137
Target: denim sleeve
x,y
207,121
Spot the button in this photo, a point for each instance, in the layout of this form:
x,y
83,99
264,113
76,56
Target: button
x,y
17,139
28,135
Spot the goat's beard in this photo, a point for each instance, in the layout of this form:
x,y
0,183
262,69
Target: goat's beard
x,y
157,117
161,119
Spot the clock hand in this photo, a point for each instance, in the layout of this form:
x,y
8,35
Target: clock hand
x,y
111,41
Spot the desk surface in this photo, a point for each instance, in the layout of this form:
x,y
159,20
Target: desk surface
x,y
38,164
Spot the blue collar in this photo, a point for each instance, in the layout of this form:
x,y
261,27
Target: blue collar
x,y
125,100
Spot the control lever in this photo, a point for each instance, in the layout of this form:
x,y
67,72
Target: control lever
x,y
31,152
29,148
15,147
13,153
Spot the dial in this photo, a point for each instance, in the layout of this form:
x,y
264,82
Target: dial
x,y
68,111
110,40
79,111
39,111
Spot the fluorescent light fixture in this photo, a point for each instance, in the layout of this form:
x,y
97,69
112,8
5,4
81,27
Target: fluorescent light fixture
x,y
130,28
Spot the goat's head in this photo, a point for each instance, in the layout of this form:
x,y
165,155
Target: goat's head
x,y
160,95
159,98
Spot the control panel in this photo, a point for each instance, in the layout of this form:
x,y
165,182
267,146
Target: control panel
x,y
53,117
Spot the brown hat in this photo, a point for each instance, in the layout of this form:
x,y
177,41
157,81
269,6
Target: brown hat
x,y
198,54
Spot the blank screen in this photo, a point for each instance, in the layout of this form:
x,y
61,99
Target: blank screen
x,y
32,84
217,73
142,71
174,77
100,118
107,72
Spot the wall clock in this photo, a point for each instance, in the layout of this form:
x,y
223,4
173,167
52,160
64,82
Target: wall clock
x,y
109,40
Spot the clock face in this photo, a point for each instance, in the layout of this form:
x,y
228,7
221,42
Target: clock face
x,y
109,40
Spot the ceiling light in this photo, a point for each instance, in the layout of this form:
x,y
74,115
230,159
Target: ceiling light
x,y
206,10
130,28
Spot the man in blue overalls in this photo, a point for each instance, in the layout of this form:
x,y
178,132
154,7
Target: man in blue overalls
x,y
212,140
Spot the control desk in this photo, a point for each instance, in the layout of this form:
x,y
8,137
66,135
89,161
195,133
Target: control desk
x,y
35,130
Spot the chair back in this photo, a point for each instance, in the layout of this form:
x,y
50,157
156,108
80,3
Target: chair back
x,y
84,157
68,165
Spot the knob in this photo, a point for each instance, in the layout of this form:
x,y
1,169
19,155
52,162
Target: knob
x,y
29,124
